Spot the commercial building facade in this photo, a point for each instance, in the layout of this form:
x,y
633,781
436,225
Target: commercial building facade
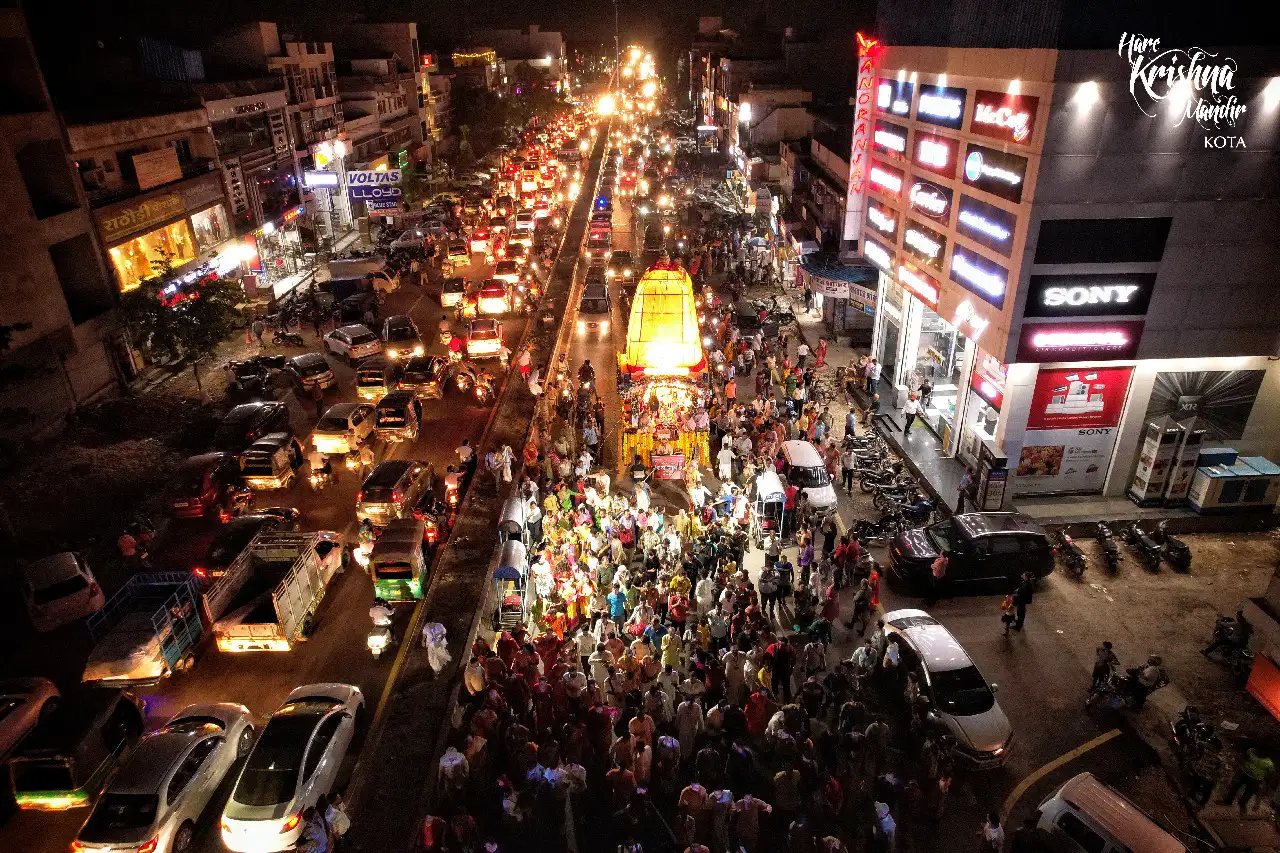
x,y
1062,264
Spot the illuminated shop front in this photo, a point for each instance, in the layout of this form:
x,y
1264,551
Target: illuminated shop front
x,y
142,257
209,226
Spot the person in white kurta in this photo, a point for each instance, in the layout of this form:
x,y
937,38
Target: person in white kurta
x,y
688,726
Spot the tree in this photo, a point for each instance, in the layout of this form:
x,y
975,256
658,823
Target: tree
x,y
466,155
187,324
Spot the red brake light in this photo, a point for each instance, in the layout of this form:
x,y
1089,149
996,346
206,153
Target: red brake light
x,y
77,846
359,496
200,572
292,823
395,497
150,846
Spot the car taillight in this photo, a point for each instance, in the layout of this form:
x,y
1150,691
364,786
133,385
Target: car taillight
x,y
292,822
150,846
200,572
77,846
395,497
359,496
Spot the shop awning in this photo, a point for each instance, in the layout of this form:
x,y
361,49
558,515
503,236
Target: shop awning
x,y
830,277
803,241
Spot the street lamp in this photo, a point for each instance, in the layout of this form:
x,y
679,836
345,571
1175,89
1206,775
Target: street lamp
x,y
606,106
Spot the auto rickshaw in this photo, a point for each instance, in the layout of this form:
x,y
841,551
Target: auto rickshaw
x,y
509,580
271,462
514,523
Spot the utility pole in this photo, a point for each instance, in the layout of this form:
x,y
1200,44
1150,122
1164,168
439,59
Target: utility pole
x,y
617,50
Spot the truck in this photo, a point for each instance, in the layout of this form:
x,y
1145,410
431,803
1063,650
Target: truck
x,y
269,595
375,270
146,631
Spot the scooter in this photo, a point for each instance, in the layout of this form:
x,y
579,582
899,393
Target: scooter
x,y
1148,549
1176,552
379,638
1110,550
317,480
293,339
1071,554
1237,655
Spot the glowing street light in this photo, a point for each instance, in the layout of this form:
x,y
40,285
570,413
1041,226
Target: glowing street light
x,y
606,106
649,89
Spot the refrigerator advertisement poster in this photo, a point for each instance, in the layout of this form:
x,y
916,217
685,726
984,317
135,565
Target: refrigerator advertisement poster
x,y
1071,430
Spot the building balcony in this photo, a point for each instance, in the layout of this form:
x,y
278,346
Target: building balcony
x,y
103,196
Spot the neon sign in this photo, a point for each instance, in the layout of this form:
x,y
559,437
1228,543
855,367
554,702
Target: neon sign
x,y
924,243
942,105
881,220
891,141
877,254
884,178
857,189
931,200
979,276
894,96
919,285
966,313
1001,116
937,154
1076,342
1089,295
995,172
986,224
977,223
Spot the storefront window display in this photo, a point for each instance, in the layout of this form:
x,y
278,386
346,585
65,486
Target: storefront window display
x,y
140,258
210,226
936,376
986,396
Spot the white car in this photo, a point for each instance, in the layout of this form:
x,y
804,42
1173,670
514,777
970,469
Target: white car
x,y
343,428
962,699
525,222
155,801
353,342
59,589
295,760
803,467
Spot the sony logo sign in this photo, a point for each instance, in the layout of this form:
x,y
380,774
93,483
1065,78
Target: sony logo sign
x,y
1094,294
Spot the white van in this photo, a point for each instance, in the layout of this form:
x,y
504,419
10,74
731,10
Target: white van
x,y
1088,817
804,469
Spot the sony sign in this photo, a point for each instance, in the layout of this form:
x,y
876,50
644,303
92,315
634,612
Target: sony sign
x,y
1094,295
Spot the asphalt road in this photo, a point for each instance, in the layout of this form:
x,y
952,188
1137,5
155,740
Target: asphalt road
x,y
260,681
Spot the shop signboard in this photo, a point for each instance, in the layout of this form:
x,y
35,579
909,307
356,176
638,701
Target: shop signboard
x,y
1116,340
919,284
669,467
856,193
886,179
1071,429
255,257
986,224
987,379
365,193
1092,295
929,199
120,222
154,168
878,254
942,105
979,276
994,172
374,177
890,140
883,220
924,244
1009,118
936,154
1220,400
315,178
894,97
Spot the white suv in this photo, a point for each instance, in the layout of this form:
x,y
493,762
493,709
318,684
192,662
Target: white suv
x,y
353,342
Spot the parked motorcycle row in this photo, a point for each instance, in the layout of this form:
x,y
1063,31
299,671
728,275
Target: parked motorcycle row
x,y
896,494
1151,548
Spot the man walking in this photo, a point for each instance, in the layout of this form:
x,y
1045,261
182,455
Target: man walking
x,y
1021,598
966,480
848,462
1248,779
909,412
873,375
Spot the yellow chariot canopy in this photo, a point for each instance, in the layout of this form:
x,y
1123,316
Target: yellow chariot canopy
x,y
662,336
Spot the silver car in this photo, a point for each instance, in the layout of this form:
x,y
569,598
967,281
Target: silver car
x,y
962,699
154,802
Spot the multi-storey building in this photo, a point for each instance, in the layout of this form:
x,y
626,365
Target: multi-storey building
x,y
63,348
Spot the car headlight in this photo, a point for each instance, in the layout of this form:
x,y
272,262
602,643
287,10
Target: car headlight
x,y
604,325
392,353
418,350
582,327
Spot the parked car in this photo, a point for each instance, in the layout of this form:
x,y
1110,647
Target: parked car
x,y
983,548
248,422
59,589
296,759
400,337
353,342
1084,816
355,307
962,699
311,369
155,800
484,338
343,428
234,536
199,483
424,376
24,702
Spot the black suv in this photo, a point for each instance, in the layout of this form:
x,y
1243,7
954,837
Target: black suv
x,y
984,549
248,422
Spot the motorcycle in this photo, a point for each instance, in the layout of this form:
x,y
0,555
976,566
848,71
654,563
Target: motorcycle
x,y
1071,554
1190,736
1118,690
1237,655
872,480
293,339
1176,552
1110,550
484,390
466,377
1148,549
379,638
238,501
317,480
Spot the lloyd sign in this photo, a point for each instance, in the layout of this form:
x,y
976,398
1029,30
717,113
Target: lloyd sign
x,y
1100,295
1010,118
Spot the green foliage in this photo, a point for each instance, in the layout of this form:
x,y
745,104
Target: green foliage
x,y
189,327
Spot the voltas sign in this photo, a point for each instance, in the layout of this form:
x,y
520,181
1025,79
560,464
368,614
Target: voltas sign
x,y
1006,117
373,179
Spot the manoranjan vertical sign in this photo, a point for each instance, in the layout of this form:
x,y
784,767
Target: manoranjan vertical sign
x,y
863,99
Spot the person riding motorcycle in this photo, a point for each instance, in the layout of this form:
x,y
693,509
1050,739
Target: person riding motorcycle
x,y
446,328
586,373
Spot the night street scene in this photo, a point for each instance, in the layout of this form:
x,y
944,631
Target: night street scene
x,y
659,427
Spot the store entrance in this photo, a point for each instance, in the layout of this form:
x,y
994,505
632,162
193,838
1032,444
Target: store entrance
x,y
937,372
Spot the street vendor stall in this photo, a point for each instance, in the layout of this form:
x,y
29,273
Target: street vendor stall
x,y
664,416
509,582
